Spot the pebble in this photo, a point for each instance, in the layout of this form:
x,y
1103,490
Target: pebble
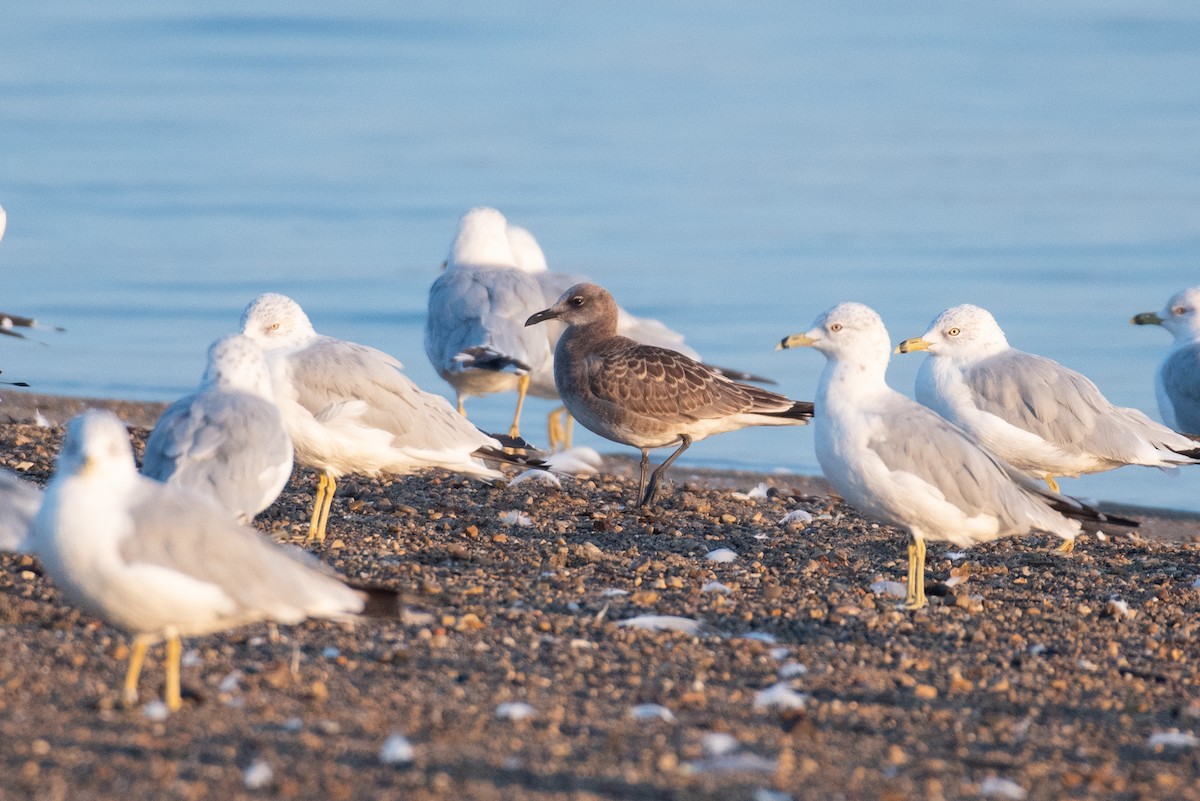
x,y
396,750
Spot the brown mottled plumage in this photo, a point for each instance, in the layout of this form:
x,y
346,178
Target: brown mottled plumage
x,y
646,396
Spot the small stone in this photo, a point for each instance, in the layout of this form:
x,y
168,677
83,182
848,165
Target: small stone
x,y
258,775
397,750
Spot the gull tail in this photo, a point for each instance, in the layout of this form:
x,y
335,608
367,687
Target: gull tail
x,y
1078,510
514,459
799,410
1193,453
515,443
482,358
739,375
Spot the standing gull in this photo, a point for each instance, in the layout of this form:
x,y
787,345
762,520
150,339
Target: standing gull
x,y
530,258
161,563
900,463
227,439
1178,381
350,409
474,335
1030,411
645,396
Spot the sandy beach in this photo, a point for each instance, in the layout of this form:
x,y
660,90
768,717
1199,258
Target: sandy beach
x,y
531,662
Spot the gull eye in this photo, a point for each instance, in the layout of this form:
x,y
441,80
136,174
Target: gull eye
x,y
954,331
835,327
577,300
1179,311
274,326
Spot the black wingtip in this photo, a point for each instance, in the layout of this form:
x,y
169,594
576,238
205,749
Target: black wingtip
x,y
740,375
801,410
526,460
487,359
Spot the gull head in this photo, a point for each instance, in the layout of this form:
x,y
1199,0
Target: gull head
x,y
851,331
482,241
526,250
1179,317
582,305
276,321
237,362
96,444
963,332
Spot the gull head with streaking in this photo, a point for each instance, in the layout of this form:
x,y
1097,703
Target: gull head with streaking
x,y
277,322
849,332
1180,316
236,363
965,333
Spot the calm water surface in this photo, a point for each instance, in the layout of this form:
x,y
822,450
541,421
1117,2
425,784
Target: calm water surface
x,y
733,169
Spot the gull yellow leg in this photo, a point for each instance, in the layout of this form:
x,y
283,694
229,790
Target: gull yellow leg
x,y
554,428
173,697
915,598
1068,545
137,656
461,409
318,502
568,428
323,520
522,387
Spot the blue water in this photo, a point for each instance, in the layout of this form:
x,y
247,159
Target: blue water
x,y
733,169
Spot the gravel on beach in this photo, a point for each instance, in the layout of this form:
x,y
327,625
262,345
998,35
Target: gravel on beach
x,y
557,644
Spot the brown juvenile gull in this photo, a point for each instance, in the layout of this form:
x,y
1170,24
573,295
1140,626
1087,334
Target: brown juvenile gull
x,y
902,464
530,259
349,409
646,396
163,563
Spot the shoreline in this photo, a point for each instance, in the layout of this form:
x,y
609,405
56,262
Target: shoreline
x,y
23,407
